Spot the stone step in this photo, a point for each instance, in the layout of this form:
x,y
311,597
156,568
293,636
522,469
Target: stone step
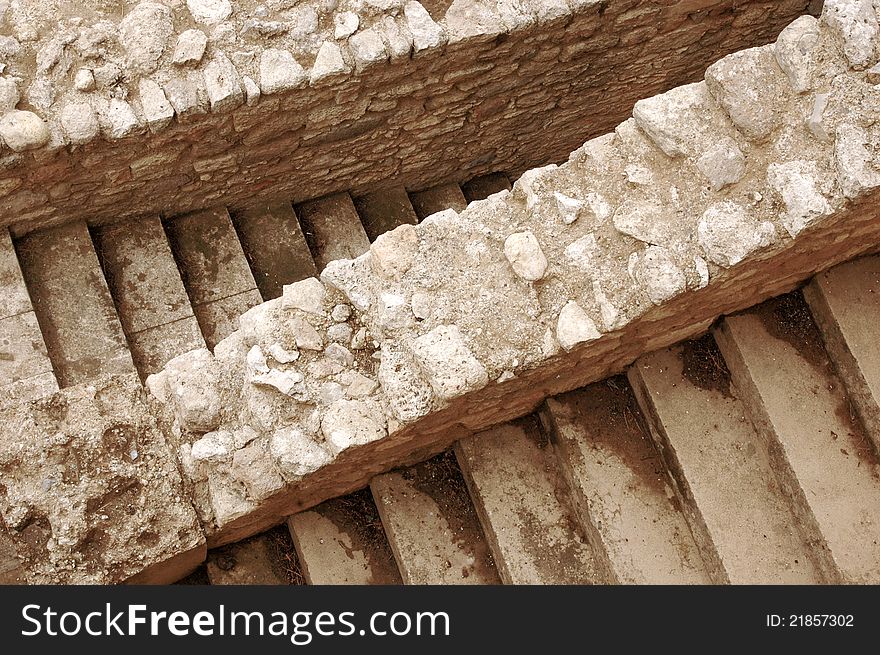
x,y
432,527
436,199
150,298
523,505
737,510
84,337
819,449
342,541
274,245
214,269
845,302
382,211
621,489
484,186
12,571
333,229
25,368
266,559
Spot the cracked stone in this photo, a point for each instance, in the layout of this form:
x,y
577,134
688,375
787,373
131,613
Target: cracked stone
x,y
144,34
796,182
306,295
855,24
190,48
574,326
447,362
723,164
728,233
279,71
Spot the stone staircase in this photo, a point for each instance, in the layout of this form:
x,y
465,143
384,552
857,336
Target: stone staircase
x,y
739,457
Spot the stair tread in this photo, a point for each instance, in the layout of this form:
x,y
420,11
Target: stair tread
x,y
480,188
431,525
845,302
333,229
776,353
151,301
14,298
77,317
436,199
275,246
342,541
520,496
382,211
722,468
622,487
214,270
266,559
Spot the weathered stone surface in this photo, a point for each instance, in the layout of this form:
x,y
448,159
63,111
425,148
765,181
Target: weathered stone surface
x,y
427,35
367,49
168,41
222,83
329,64
575,326
23,130
854,22
157,110
190,47
506,329
279,71
94,464
448,363
752,89
525,256
799,183
209,12
796,52
80,123
144,33
729,232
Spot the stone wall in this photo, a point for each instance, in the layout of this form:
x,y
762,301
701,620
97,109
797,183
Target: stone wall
x,y
152,115
714,196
